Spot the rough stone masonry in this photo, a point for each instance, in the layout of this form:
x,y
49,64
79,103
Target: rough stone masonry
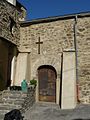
x,y
57,34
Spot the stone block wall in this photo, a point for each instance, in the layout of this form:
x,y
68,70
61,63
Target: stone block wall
x,y
83,45
9,27
57,36
29,100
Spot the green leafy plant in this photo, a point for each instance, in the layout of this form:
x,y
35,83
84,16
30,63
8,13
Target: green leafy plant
x,y
33,82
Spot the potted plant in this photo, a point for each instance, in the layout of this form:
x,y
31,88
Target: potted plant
x,y
33,83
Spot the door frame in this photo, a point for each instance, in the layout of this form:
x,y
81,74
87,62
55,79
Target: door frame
x,y
50,74
57,87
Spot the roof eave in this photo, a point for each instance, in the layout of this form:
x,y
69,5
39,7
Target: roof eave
x,y
54,18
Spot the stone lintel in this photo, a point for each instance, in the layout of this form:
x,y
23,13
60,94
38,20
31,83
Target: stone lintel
x,y
69,50
24,51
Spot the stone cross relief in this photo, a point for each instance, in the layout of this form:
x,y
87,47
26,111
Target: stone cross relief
x,y
39,43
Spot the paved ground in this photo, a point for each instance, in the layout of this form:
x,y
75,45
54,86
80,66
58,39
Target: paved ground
x,y
43,111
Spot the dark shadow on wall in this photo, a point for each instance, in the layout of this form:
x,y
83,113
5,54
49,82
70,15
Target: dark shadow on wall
x,y
80,119
60,102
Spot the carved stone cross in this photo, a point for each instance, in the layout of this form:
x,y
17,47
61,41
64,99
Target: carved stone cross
x,y
39,43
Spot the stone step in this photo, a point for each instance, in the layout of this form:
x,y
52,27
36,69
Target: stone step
x,y
11,91
3,112
12,101
13,97
14,93
7,107
1,116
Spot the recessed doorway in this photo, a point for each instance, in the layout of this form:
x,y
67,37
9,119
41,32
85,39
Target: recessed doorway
x,y
47,83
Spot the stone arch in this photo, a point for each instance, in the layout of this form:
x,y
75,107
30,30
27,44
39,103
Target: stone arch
x,y
50,67
53,61
46,61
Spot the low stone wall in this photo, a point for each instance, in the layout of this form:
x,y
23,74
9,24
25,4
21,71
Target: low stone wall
x,y
29,100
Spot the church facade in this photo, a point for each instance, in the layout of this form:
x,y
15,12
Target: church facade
x,y
56,52
58,49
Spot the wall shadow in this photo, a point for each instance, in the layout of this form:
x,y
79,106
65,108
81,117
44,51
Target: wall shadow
x,y
80,119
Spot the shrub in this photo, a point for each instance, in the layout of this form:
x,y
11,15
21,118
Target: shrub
x,y
33,82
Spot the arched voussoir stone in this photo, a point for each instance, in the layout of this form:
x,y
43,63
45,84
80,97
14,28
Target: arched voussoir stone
x,y
44,61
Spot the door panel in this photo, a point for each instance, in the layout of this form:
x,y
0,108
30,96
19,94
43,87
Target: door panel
x,y
47,85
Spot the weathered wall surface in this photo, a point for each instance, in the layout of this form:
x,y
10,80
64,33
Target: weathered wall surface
x,y
9,27
29,100
83,40
22,68
56,37
68,98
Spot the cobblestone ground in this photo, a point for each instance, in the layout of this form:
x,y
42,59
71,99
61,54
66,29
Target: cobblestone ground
x,y
44,111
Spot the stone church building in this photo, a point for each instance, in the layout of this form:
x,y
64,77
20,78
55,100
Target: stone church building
x,y
55,51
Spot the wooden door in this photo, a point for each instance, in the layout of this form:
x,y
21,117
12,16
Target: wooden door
x,y
47,84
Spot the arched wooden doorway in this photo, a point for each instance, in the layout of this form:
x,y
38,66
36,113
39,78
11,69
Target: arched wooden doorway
x,y
47,83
